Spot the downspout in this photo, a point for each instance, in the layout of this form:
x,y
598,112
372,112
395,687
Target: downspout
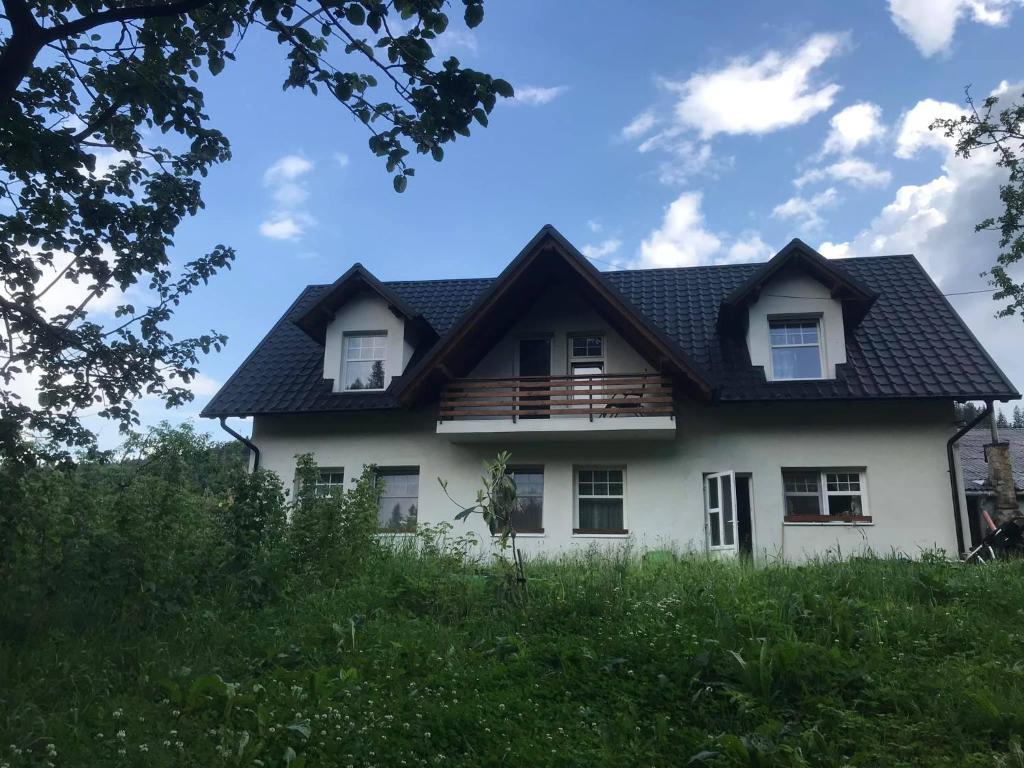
x,y
244,441
954,479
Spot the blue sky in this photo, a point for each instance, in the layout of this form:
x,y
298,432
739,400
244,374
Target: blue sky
x,y
687,133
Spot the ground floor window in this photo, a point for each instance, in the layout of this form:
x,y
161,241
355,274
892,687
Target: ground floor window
x,y
330,480
825,495
599,500
399,498
528,516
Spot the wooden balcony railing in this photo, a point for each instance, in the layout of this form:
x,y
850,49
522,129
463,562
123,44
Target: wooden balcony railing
x,y
600,396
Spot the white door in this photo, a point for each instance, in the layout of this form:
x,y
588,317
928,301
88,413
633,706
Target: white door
x,y
720,512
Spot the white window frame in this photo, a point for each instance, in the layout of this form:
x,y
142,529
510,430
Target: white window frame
x,y
587,359
576,496
379,473
346,337
586,391
818,321
824,493
321,471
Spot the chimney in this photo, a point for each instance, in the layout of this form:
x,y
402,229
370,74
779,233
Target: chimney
x,y
1000,476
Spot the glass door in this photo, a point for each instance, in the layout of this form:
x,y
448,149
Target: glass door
x,y
720,519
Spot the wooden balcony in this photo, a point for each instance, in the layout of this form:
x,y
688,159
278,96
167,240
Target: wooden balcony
x,y
615,404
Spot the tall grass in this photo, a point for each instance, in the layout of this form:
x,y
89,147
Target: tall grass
x,y
413,660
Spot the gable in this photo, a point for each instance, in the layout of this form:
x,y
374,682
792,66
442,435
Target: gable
x,y
548,261
791,293
558,314
855,297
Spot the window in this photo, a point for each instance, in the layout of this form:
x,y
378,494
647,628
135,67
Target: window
x,y
528,516
796,349
824,496
599,501
399,499
586,355
330,481
365,355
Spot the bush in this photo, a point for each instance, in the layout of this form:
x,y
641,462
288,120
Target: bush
x,y
331,535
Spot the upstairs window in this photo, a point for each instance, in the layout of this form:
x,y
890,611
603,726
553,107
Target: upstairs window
x,y
364,359
586,355
796,348
825,496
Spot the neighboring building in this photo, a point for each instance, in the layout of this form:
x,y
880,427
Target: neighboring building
x,y
787,409
977,483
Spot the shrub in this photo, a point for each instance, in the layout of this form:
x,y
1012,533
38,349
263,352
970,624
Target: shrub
x,y
331,535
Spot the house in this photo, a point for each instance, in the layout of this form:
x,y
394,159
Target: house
x,y
786,409
980,490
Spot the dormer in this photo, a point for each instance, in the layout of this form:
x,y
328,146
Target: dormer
x,y
794,313
368,333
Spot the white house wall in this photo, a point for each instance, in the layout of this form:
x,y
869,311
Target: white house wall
x,y
900,445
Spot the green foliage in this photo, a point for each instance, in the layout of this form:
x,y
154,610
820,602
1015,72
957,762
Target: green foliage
x,y
867,662
332,535
998,129
106,140
252,526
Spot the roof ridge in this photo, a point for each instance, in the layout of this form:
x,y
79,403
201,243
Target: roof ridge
x,y
637,270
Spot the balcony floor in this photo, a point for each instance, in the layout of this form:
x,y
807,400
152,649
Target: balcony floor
x,y
558,428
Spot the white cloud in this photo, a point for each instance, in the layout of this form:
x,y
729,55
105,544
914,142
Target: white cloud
x,y
935,221
913,133
859,173
806,211
853,127
341,159
286,168
288,220
602,250
640,125
533,95
745,96
290,195
455,40
594,225
283,227
750,247
683,240
755,97
834,250
931,24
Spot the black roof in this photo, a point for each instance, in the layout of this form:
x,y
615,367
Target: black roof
x,y
972,457
910,344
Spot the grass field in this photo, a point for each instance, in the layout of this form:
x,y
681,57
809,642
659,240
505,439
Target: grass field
x,y
868,662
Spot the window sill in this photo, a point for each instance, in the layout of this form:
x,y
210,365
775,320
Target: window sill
x,y
828,519
527,533
599,533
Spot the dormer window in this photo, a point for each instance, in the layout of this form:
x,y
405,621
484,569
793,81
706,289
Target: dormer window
x,y
796,348
363,364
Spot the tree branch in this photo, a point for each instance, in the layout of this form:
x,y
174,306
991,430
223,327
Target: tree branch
x,y
93,20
